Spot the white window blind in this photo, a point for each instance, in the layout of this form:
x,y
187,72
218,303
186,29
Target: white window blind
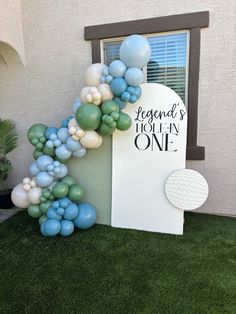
x,y
169,60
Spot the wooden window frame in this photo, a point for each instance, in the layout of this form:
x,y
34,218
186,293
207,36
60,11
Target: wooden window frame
x,y
192,21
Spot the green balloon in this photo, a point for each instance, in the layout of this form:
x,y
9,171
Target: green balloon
x,y
69,180
60,189
104,129
88,116
109,106
34,211
124,122
44,207
36,131
75,193
42,219
49,151
36,154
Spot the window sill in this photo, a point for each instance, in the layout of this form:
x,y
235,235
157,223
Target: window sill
x,y
195,153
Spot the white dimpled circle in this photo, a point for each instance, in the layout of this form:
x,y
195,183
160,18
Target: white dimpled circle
x,y
186,189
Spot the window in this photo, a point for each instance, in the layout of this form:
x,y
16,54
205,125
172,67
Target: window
x,y
178,35
169,60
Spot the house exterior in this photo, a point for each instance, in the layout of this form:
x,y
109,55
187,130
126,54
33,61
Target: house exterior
x,y
46,46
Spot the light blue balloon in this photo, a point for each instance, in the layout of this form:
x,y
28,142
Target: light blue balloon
x,y
62,152
80,153
57,142
34,169
120,103
63,172
55,204
43,179
87,216
135,51
49,131
53,137
72,145
117,68
125,96
67,228
71,212
64,202
64,123
118,86
102,79
63,134
43,161
109,79
76,104
52,214
49,144
133,99
137,92
42,229
60,211
105,72
51,227
134,76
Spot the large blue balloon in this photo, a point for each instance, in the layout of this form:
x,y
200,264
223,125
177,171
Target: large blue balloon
x,y
71,212
72,145
43,161
86,217
67,228
63,152
43,179
118,86
134,76
117,68
135,51
51,227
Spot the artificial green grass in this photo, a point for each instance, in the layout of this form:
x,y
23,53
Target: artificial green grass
x,y
108,270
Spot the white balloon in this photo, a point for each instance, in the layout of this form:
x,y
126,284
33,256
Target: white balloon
x,y
26,180
105,91
99,143
19,196
33,183
83,94
72,123
34,195
27,187
90,139
94,73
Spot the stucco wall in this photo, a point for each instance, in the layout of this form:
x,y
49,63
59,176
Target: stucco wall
x,y
56,57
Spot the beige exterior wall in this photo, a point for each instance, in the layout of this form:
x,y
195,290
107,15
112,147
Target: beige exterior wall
x,y
56,57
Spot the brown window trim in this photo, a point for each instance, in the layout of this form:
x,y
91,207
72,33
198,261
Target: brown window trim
x,y
192,21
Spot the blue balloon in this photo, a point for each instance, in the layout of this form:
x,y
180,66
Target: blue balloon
x,y
137,91
109,78
120,103
135,51
125,96
64,123
33,169
57,142
72,145
105,72
134,76
71,212
76,104
43,161
55,204
133,99
60,211
43,179
118,86
64,202
51,227
67,228
63,134
63,171
49,144
49,131
62,152
80,153
87,216
117,68
52,214
42,229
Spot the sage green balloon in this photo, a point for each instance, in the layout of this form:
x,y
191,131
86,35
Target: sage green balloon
x,y
75,193
104,129
60,189
36,154
109,106
49,151
69,180
124,122
42,219
44,206
34,211
89,116
36,131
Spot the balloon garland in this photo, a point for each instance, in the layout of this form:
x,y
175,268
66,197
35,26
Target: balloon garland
x,y
53,196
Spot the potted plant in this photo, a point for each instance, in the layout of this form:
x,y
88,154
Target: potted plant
x,y
8,142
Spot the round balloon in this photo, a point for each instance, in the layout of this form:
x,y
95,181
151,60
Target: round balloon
x,y
34,211
63,134
91,139
76,104
19,196
43,179
117,68
124,122
72,145
43,161
134,76
63,152
34,169
75,193
118,86
36,131
51,227
94,73
89,116
68,180
135,51
71,212
60,189
105,91
67,228
86,217
34,195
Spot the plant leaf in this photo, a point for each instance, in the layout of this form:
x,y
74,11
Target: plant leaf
x,y
8,136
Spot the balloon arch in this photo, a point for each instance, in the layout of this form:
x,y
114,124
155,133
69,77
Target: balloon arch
x,y
53,196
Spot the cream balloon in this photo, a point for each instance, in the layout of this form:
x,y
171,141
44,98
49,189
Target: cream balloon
x,y
90,139
34,195
19,196
105,91
26,180
72,123
83,94
27,187
99,143
94,73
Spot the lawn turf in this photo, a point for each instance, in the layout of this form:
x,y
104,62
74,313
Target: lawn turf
x,y
109,270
